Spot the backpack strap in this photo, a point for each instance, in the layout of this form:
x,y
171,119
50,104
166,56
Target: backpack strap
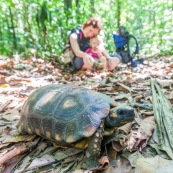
x,y
78,32
80,35
137,46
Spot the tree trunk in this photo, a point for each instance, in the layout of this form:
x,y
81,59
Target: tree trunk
x,y
92,7
27,26
118,12
77,5
67,4
77,10
14,33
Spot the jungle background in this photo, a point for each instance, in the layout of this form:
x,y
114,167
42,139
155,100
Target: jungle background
x,y
41,27
32,37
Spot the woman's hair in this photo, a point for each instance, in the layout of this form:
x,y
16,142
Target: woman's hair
x,y
95,22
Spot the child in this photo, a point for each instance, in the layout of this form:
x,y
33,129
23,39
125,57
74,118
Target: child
x,y
96,51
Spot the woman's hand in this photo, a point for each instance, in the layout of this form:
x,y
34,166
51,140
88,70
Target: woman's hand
x,y
88,61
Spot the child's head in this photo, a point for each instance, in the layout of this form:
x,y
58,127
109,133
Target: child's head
x,y
96,41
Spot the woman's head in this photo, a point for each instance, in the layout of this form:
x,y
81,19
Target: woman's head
x,y
92,27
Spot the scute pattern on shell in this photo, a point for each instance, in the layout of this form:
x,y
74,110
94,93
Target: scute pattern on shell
x,y
63,113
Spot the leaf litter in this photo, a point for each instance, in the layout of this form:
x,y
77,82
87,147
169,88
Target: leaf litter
x,y
126,85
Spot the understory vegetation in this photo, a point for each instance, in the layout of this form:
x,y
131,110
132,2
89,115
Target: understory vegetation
x,y
40,28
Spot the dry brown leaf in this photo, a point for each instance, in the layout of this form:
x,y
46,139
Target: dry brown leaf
x,y
6,150
82,171
165,82
123,96
169,95
155,164
147,126
139,138
103,160
138,98
4,105
117,146
14,152
171,65
123,87
2,79
70,159
39,162
121,165
146,113
11,164
11,115
7,130
79,171
6,64
23,164
125,128
13,104
16,138
17,79
111,169
40,148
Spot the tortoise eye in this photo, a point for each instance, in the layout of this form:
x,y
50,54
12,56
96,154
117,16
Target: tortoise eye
x,y
120,111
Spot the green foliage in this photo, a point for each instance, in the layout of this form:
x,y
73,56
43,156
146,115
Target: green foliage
x,y
41,27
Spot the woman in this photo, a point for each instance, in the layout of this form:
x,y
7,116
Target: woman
x,y
79,43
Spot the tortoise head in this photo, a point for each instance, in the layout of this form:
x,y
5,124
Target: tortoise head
x,y
119,116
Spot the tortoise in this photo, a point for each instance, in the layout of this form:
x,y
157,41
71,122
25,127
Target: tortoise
x,y
67,114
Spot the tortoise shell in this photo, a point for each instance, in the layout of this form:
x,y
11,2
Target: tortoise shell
x,y
63,113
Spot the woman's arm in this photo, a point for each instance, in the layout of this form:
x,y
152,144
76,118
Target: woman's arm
x,y
75,46
88,60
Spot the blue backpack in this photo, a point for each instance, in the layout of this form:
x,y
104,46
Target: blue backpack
x,y
122,40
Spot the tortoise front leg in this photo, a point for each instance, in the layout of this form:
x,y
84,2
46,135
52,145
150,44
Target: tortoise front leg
x,y
94,143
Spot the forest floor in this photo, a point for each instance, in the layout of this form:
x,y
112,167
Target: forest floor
x,y
130,152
